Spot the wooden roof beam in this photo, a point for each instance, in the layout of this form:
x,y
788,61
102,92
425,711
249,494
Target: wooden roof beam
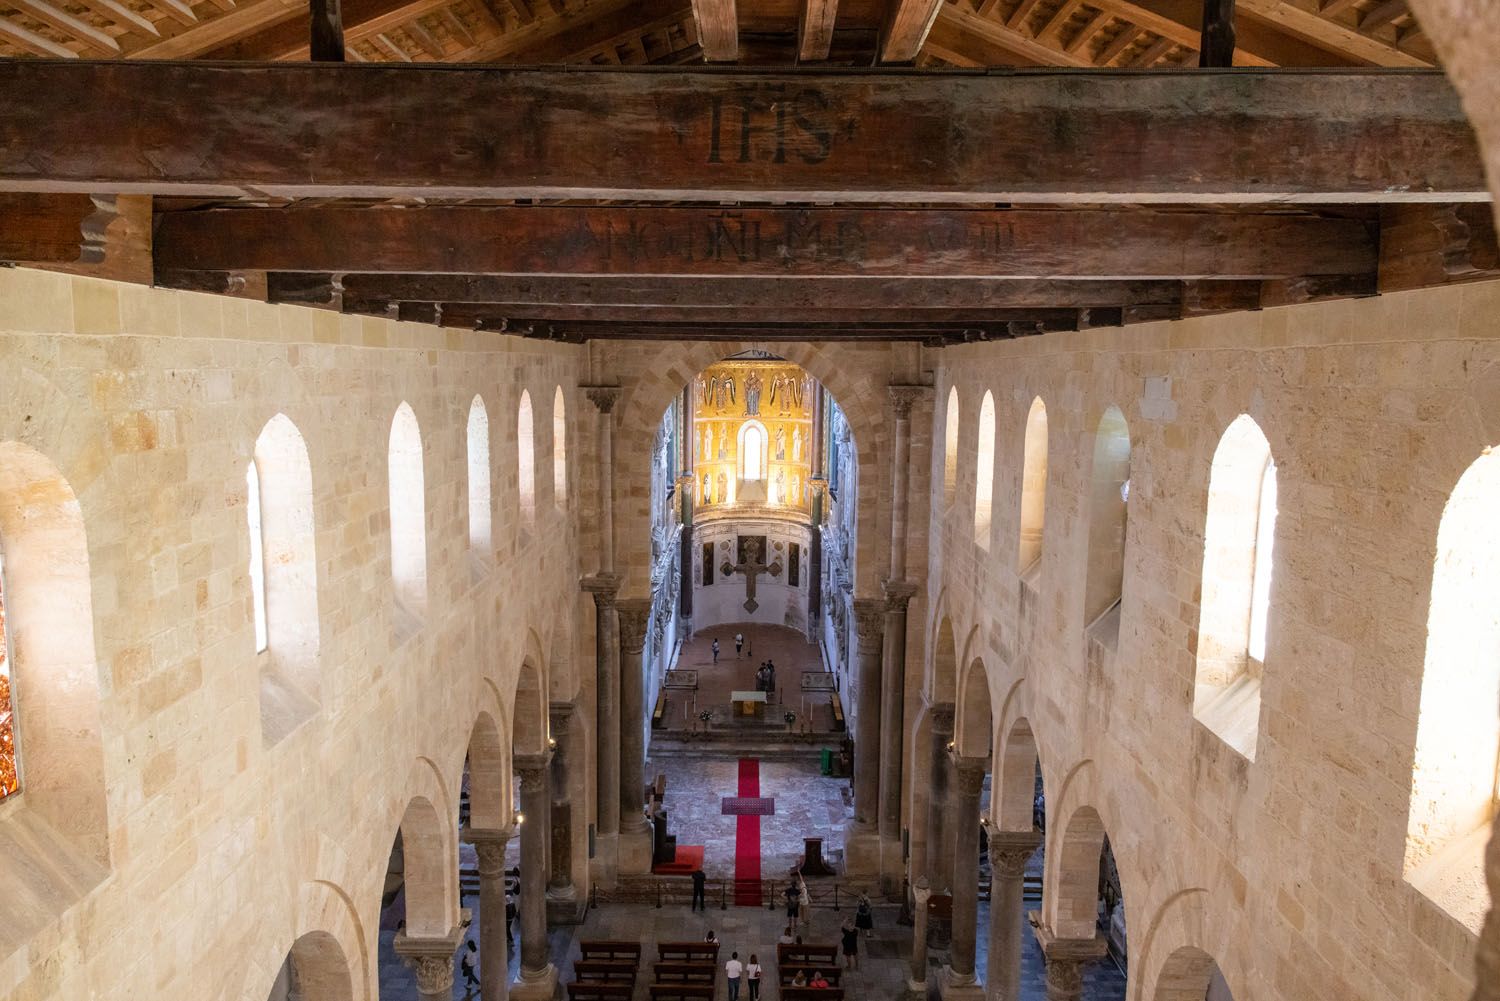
x,y
815,29
1319,29
1024,49
718,30
53,229
497,132
906,27
29,40
91,37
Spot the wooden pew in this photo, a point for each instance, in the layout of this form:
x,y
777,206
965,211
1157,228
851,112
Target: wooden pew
x,y
600,992
658,715
786,974
686,973
688,952
812,993
838,711
602,949
818,957
682,992
617,971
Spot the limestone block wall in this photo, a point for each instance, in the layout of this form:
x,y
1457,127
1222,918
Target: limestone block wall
x,y
1287,869
221,850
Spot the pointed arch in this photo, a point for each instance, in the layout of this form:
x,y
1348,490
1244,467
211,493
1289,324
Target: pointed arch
x,y
1033,487
1075,889
1190,974
944,681
1109,496
408,511
950,447
526,460
984,472
975,723
480,538
559,448
1014,797
490,792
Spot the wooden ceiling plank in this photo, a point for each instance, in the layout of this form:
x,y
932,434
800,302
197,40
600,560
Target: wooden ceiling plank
x,y
1321,30
865,136
90,36
1383,14
1017,19
122,15
456,27
225,29
395,51
32,42
906,29
177,10
815,29
425,39
1333,8
814,243
1033,51
1091,28
718,29
569,40
1122,41
523,10
1152,53
1059,17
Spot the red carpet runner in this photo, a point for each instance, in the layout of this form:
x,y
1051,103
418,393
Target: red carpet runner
x,y
747,841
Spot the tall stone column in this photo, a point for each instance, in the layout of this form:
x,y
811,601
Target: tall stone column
x,y
604,587
494,943
939,845
562,895
537,971
921,893
863,850
431,959
965,880
635,832
816,486
604,398
1010,851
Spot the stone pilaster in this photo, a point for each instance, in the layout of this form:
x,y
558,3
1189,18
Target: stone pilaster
x,y
604,399
1010,851
863,848
939,826
494,943
538,975
898,594
635,832
959,981
604,588
563,904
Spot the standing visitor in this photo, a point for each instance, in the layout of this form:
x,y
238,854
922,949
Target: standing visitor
x,y
793,899
470,980
699,880
786,936
752,974
864,916
849,939
732,971
804,902
716,649
739,644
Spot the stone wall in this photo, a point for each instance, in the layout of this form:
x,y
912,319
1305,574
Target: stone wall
x,y
1286,869
221,850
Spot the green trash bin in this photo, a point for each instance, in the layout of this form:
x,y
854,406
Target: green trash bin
x,y
826,760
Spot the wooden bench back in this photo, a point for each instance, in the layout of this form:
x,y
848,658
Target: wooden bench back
x,y
686,973
682,992
818,956
688,951
812,994
601,949
785,974
605,970
600,992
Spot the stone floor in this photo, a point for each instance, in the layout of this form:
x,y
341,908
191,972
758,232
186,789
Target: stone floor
x,y
786,648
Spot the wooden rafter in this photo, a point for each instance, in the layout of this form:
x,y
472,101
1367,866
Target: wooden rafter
x,y
1321,28
86,34
718,29
1018,47
815,29
906,29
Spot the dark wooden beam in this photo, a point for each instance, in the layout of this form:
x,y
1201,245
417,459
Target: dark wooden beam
x,y
286,38
1426,245
808,243
714,316
382,131
803,331
326,41
739,293
1216,50
54,229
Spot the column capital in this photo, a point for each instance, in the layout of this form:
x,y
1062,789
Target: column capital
x,y
1010,851
970,772
603,586
489,844
898,593
532,767
635,613
869,620
941,716
431,958
1064,977
1065,950
603,397
903,396
560,716
921,892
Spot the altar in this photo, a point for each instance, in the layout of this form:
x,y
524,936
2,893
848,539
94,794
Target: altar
x,y
748,704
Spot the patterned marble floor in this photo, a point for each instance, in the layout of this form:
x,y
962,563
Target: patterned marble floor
x,y
786,648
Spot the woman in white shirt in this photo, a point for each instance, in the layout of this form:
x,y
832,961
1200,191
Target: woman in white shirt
x,y
752,974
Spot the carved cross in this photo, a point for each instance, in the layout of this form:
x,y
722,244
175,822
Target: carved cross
x,y
751,568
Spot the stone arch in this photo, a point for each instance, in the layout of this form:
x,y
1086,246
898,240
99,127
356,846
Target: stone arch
x,y
1073,883
944,679
562,674
529,709
490,786
1187,975
320,967
974,726
984,472
1033,487
1109,494
1013,796
428,868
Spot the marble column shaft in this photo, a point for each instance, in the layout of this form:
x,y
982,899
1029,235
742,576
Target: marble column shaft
x,y
921,893
1010,851
965,882
635,613
560,879
494,943
535,800
893,708
939,847
607,699
869,624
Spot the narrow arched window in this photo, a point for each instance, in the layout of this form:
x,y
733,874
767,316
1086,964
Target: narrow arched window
x,y
950,448
1109,502
1454,770
408,511
479,478
984,473
559,448
526,457
1239,538
753,452
10,772
257,555
1033,487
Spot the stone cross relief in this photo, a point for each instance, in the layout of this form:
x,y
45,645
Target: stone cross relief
x,y
751,568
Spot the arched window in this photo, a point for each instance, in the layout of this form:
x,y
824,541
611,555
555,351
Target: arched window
x,y
1239,536
1033,487
10,776
283,572
984,473
753,451
1109,497
1454,772
526,457
950,448
479,478
408,512
559,448
257,555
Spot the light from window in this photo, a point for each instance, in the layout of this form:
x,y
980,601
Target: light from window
x,y
950,448
984,474
1108,509
1033,486
753,454
479,478
1265,544
526,457
10,779
559,448
408,511
257,556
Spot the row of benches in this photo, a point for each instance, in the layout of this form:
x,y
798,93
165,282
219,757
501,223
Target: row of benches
x,y
690,992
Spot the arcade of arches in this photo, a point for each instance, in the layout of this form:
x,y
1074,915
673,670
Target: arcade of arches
x,y
353,652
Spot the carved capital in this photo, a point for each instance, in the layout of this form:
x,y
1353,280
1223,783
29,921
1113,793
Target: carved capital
x,y
941,719
560,716
1010,851
869,621
1064,979
490,847
603,397
903,396
898,594
532,768
431,958
434,973
970,773
635,613
604,587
